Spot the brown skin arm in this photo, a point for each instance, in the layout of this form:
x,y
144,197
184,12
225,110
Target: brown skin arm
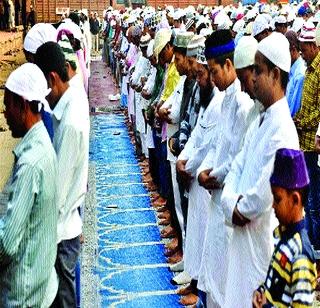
x,y
208,182
237,218
181,169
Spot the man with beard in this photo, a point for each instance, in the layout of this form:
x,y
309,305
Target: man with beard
x,y
188,162
235,108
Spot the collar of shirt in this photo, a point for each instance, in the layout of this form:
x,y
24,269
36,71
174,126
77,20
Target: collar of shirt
x,y
233,88
286,232
315,63
25,142
274,109
62,104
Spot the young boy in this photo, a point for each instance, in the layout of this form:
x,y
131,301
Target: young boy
x,y
291,277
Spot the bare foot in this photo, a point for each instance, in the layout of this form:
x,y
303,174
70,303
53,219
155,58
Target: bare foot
x,y
188,300
164,222
168,232
177,257
164,215
173,244
185,291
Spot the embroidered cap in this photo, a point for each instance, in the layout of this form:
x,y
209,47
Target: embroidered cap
x,y
308,32
195,42
201,57
182,39
290,170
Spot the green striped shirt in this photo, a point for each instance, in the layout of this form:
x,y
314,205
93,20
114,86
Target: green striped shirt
x,y
28,231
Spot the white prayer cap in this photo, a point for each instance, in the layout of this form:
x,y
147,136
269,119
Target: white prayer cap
x,y
222,21
245,51
145,40
260,24
29,82
318,35
291,16
249,28
315,18
131,20
206,32
201,58
297,24
150,49
239,26
71,27
251,14
275,47
178,14
38,35
194,44
308,32
280,19
163,36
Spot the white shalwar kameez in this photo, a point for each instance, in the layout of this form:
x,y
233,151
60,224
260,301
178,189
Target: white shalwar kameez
x,y
194,152
148,87
142,69
251,246
236,110
174,105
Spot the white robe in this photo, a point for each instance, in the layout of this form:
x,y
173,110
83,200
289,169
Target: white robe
x,y
142,69
251,246
174,105
194,152
236,113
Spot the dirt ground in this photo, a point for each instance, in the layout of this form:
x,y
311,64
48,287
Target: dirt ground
x,y
7,64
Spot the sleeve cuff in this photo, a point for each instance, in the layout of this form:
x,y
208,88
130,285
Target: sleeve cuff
x,y
229,203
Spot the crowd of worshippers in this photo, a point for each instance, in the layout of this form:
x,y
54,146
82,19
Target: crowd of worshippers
x,y
223,108
46,105
14,13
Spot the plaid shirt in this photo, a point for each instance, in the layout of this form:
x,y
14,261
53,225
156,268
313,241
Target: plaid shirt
x,y
309,115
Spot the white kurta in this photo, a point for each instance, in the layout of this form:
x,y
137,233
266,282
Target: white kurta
x,y
195,151
174,104
236,113
142,69
251,246
148,87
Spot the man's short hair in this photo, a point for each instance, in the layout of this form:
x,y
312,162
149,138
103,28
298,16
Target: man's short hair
x,y
50,58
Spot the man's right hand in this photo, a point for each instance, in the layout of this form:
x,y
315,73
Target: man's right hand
x,y
258,299
206,181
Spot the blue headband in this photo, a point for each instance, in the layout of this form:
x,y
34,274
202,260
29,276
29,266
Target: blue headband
x,y
214,52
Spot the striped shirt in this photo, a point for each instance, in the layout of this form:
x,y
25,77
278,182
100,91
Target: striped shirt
x,y
28,231
309,114
291,277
